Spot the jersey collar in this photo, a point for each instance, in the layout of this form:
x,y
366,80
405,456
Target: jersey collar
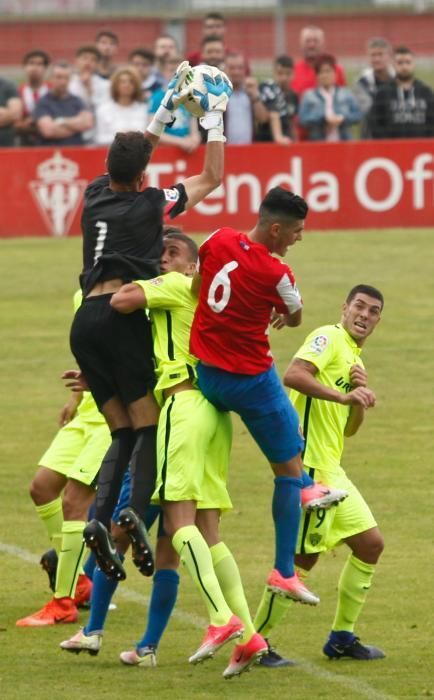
x,y
351,342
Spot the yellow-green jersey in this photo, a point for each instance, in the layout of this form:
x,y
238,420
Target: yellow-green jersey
x,y
172,306
333,352
87,408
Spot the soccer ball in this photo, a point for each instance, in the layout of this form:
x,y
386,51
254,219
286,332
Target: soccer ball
x,y
209,90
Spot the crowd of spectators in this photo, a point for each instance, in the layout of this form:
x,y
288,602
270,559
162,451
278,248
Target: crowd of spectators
x,y
303,99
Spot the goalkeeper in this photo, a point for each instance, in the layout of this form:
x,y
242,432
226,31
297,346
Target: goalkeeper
x,y
122,241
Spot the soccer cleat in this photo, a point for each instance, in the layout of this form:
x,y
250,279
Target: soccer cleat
x,y
48,562
320,496
216,637
271,659
133,526
353,649
292,587
245,655
56,611
83,591
82,642
98,539
145,657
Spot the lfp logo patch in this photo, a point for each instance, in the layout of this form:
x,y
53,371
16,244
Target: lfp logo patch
x,y
319,344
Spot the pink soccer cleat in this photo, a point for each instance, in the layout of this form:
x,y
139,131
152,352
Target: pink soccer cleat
x,y
320,496
245,655
292,587
216,637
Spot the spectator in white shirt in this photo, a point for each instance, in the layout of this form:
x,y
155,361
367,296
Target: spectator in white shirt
x,y
125,111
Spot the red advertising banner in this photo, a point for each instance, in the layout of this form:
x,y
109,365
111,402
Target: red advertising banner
x,y
371,184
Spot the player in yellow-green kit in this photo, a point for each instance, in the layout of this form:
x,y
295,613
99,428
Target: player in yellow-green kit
x,y
62,490
330,393
193,448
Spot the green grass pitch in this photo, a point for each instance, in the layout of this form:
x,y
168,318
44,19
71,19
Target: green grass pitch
x,y
390,460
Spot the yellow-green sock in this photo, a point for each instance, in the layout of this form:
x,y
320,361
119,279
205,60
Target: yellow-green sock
x,y
354,583
229,578
70,558
196,557
52,516
273,608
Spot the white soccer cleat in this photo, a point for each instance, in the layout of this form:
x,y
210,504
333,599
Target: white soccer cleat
x,y
320,496
81,642
146,659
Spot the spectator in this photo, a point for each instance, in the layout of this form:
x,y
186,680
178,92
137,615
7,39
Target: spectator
x,y
281,103
245,109
60,117
165,47
184,132
328,110
312,43
403,108
380,73
143,61
87,84
125,110
213,25
107,43
212,52
10,111
35,64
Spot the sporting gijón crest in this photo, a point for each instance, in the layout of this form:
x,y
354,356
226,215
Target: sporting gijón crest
x,y
57,192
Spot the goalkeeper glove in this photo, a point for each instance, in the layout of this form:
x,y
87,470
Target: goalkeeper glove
x,y
174,96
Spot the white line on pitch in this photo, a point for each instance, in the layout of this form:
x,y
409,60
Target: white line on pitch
x,y
311,669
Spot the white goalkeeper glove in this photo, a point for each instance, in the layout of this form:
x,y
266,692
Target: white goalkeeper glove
x,y
207,97
174,96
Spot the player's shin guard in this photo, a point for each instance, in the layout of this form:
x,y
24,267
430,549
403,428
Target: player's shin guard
x,y
70,558
286,516
353,588
111,473
143,468
196,557
229,578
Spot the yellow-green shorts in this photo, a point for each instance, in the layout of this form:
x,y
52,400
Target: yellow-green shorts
x,y
325,529
77,450
193,447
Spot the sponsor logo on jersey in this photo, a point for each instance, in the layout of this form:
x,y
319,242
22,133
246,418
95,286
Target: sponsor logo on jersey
x,y
171,195
57,192
156,281
319,344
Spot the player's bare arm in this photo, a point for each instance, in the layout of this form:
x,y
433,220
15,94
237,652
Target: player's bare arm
x,y
199,186
128,298
300,375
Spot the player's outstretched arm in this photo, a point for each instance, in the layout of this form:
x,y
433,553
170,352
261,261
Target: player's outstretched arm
x,y
174,96
128,298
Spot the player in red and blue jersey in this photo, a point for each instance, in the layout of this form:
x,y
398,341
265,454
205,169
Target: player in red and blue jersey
x,y
241,285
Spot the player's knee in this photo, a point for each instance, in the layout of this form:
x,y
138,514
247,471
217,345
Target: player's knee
x,y
377,546
38,492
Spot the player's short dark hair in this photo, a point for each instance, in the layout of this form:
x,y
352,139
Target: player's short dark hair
x,y
403,50
175,233
147,54
37,53
210,39
109,33
368,290
324,59
284,61
89,48
280,203
128,156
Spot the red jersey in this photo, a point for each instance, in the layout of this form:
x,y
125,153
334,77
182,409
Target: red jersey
x,y
241,285
305,76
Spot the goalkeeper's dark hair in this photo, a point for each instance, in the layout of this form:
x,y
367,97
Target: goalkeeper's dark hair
x,y
280,203
128,156
173,232
365,289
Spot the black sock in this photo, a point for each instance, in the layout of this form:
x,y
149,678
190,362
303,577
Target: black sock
x,y
143,467
111,473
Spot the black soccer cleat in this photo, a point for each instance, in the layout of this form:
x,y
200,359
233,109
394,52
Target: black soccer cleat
x,y
353,649
133,526
49,564
271,659
98,539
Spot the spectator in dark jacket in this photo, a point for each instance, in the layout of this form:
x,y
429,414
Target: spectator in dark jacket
x,y
380,73
281,103
405,107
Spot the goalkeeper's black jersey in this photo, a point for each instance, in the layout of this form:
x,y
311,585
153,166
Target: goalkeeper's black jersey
x,y
122,231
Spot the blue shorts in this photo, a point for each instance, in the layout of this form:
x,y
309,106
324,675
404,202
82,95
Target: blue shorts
x,y
152,512
263,405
